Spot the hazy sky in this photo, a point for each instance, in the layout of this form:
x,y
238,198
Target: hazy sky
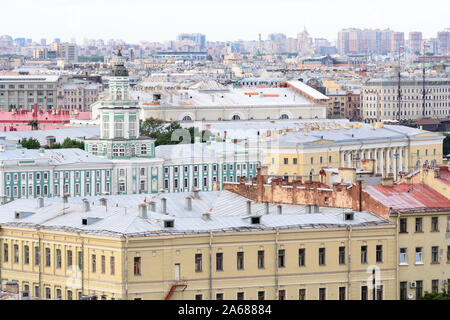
x,y
220,20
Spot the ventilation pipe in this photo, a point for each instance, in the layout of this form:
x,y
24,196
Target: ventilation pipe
x,y
103,202
65,198
143,211
196,194
188,203
280,209
249,207
164,205
266,207
40,202
86,206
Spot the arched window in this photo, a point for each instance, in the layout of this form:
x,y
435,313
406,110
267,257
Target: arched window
x,y
284,116
236,117
132,124
311,173
115,151
187,118
105,128
133,150
94,149
121,151
118,128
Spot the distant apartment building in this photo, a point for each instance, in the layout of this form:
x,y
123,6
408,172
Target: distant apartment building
x,y
198,38
22,92
78,95
415,42
357,41
336,108
66,51
443,39
381,96
397,41
353,105
40,53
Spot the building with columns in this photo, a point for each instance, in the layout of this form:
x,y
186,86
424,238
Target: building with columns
x,y
394,149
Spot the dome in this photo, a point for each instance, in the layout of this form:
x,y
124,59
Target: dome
x,y
119,69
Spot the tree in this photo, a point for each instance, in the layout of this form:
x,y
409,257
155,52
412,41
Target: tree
x,y
30,143
444,295
69,143
446,143
159,130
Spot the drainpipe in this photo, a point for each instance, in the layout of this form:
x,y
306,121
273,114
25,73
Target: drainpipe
x,y
40,262
349,261
82,265
397,230
210,265
276,263
126,267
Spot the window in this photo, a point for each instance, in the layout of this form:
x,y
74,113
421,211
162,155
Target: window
x,y
26,254
294,160
137,266
379,292
58,294
379,253
219,261
281,258
198,297
281,294
403,256
434,224
341,293
260,259
58,258
322,294
285,160
118,128
419,255
302,294
418,224
419,289
47,257
16,253
261,295
103,264
363,254
48,293
112,265
37,256
403,290
69,295
435,286
219,296
403,225
94,263
240,260
321,256
301,257
240,296
341,255
364,293
69,258
434,255
198,262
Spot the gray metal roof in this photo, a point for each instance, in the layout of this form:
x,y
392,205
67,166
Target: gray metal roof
x,y
120,217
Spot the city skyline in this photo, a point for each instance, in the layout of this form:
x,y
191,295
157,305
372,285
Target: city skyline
x,y
244,21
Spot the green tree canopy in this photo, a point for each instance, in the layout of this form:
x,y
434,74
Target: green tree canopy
x,y
68,144
30,143
446,144
444,295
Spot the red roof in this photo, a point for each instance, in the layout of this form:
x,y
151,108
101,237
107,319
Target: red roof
x,y
25,116
408,197
85,115
444,175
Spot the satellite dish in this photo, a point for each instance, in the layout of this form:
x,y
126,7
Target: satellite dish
x,y
410,295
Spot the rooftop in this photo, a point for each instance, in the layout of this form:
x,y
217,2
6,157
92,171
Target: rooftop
x,y
227,213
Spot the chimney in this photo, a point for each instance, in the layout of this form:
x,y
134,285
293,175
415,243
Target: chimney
x,y
279,209
266,207
206,216
152,205
437,172
86,206
4,199
65,198
188,203
143,211
40,202
196,194
249,207
103,202
164,205
387,182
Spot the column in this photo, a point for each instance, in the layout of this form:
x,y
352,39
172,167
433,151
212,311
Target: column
x,y
400,159
388,161
342,164
375,163
349,159
406,159
381,150
395,159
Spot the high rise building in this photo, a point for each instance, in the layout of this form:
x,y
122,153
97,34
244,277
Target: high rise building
x,y
67,51
415,42
397,41
443,38
43,42
198,38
